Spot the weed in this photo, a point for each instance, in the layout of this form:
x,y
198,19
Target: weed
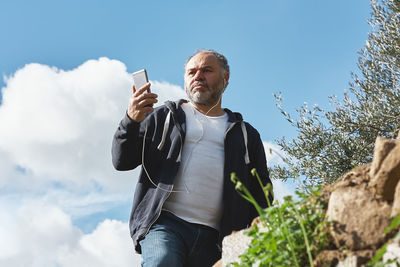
x,y
296,230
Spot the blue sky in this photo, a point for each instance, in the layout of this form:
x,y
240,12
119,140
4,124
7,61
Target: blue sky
x,y
58,115
304,49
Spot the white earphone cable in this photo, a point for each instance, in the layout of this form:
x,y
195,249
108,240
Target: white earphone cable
x,y
148,175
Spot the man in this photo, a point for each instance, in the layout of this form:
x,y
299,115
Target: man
x,y
185,202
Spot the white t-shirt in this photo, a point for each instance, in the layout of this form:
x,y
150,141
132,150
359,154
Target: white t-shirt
x,y
200,177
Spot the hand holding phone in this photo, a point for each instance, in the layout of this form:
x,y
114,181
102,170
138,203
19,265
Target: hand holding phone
x,y
141,102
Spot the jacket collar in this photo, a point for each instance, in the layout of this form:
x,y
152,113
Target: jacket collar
x,y
233,116
175,107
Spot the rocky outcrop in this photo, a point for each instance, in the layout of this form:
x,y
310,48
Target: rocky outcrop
x,y
233,246
343,258
385,169
361,205
236,244
359,217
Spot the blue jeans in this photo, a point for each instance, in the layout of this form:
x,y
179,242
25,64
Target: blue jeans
x,y
173,242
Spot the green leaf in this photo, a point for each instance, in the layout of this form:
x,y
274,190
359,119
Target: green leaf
x,y
378,256
393,224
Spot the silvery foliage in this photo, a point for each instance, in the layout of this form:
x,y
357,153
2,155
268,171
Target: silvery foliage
x,y
330,143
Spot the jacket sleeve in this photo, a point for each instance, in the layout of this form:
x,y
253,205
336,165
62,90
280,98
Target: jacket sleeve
x,y
259,162
127,145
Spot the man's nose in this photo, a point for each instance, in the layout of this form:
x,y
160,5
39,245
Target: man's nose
x,y
198,75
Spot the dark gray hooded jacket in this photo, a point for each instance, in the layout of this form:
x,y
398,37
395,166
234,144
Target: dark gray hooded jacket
x,y
164,133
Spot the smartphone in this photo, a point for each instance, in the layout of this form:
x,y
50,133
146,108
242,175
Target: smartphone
x,y
140,79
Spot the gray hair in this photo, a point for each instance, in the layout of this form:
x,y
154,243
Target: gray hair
x,y
221,58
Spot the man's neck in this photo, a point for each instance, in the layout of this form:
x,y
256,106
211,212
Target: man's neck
x,y
212,111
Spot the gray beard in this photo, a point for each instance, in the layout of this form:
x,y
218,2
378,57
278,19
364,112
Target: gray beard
x,y
208,98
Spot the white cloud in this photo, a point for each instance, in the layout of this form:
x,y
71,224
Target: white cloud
x,y
108,245
58,124
38,234
167,91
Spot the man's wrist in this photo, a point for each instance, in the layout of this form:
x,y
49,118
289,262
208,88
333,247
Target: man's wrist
x,y
128,122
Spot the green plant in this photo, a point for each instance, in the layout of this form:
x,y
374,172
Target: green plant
x,y
295,232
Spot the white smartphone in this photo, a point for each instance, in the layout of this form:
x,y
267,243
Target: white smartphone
x,y
140,79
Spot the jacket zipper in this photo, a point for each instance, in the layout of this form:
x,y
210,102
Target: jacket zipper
x,y
172,187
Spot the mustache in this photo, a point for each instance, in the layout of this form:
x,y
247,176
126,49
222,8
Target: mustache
x,y
203,83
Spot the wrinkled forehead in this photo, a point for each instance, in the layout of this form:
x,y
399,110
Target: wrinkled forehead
x,y
202,60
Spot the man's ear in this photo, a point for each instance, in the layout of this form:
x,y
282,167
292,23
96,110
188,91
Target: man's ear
x,y
226,79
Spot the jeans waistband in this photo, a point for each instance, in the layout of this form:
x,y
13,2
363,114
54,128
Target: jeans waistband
x,y
199,225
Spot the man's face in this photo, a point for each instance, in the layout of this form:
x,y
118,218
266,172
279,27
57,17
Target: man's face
x,y
204,79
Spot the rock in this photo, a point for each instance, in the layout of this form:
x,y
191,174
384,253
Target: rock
x,y
358,219
359,177
237,243
218,263
350,261
396,202
343,258
328,258
356,258
385,168
233,246
360,205
382,148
